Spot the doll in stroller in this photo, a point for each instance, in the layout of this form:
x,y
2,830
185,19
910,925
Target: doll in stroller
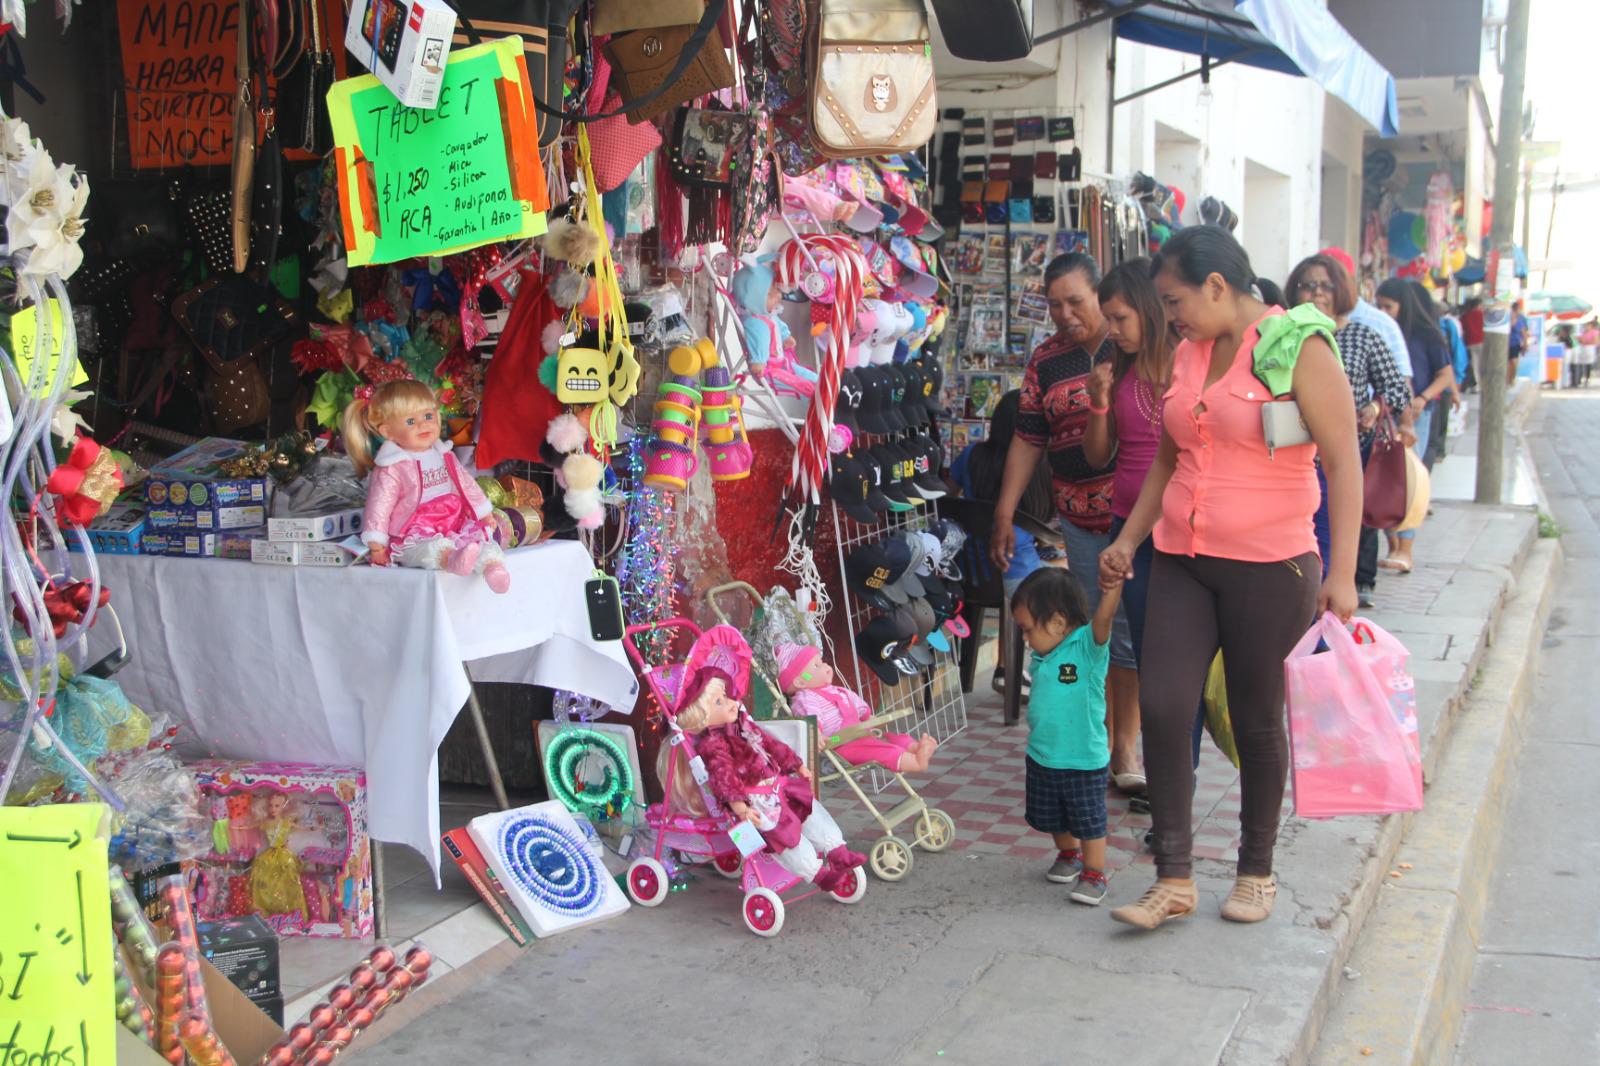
x,y
721,769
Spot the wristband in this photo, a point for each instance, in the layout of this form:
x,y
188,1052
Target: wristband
x,y
1098,410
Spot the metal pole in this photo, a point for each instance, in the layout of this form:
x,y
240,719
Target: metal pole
x,y
1111,106
1492,376
1527,214
1550,231
496,784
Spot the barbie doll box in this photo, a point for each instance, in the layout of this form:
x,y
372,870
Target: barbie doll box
x,y
288,843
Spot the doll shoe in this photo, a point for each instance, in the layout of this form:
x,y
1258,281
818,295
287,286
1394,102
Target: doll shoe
x,y
497,577
462,560
669,466
846,859
828,877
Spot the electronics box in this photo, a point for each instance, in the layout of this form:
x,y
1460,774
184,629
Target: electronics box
x,y
405,43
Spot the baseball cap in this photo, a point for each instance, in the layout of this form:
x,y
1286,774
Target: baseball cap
x,y
925,457
923,622
874,398
889,475
893,410
883,646
909,580
874,571
912,410
881,479
850,488
848,406
951,540
933,384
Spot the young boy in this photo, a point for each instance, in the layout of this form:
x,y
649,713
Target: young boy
x,y
1069,755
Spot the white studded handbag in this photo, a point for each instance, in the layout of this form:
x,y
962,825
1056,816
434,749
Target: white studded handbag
x,y
872,79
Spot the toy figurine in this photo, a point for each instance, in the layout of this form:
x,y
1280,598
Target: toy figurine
x,y
760,779
423,510
808,682
275,875
768,343
243,835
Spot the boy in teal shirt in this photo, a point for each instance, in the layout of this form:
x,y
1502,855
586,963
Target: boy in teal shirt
x,y
1069,755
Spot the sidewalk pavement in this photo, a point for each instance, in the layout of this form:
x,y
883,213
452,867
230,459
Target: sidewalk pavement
x,y
974,957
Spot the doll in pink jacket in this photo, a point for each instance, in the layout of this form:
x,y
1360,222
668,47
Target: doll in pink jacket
x,y
423,509
808,682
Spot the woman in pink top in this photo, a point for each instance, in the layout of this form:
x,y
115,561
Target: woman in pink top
x,y
1236,563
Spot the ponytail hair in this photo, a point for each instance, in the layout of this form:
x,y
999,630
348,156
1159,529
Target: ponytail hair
x,y
361,419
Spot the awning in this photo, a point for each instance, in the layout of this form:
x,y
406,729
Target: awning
x,y
1296,37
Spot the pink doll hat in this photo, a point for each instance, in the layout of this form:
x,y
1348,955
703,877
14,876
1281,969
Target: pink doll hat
x,y
793,659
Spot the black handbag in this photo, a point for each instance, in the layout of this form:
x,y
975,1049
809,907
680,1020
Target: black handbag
x,y
232,317
705,141
989,33
542,25
135,219
302,112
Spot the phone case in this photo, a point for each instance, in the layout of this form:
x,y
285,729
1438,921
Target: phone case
x,y
605,608
1282,425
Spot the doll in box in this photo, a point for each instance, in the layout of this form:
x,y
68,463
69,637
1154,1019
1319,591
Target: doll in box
x,y
808,683
422,508
275,875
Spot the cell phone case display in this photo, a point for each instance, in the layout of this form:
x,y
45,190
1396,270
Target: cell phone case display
x,y
543,860
289,843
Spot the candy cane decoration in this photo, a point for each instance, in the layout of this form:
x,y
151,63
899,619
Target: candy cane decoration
x,y
798,260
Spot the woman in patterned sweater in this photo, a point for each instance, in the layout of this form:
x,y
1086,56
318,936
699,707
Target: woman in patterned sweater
x,y
1322,281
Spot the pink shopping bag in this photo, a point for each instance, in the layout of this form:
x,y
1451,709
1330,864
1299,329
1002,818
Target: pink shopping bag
x,y
1352,723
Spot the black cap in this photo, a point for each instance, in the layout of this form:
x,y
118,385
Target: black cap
x,y
893,411
891,474
877,478
923,620
883,647
925,454
932,385
952,538
874,572
913,410
905,470
908,580
938,594
851,489
848,405
874,398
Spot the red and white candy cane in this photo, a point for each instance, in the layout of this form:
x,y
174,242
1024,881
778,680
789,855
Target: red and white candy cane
x,y
800,257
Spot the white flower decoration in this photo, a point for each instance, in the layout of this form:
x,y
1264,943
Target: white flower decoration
x,y
49,218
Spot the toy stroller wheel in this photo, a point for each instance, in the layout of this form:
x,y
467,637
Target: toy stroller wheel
x,y
647,882
852,886
890,859
763,912
936,830
728,865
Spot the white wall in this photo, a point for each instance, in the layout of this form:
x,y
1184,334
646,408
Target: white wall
x,y
1343,145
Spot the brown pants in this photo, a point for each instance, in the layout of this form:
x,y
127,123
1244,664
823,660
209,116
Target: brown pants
x,y
1255,612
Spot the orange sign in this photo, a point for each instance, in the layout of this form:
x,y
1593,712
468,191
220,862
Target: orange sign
x,y
178,80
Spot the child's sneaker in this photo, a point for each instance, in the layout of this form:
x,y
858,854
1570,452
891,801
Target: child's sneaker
x,y
1090,889
1067,867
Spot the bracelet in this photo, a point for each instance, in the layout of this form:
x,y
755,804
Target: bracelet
x,y
1098,410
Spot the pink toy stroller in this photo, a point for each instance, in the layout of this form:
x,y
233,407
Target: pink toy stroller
x,y
762,879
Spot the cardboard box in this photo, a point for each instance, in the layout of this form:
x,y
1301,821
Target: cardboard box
x,y
231,545
328,525
412,44
244,1028
318,826
118,531
208,519
193,479
245,951
307,553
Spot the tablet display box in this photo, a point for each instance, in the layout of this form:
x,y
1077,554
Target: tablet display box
x,y
405,43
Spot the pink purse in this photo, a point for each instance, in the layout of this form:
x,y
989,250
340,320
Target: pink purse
x,y
616,146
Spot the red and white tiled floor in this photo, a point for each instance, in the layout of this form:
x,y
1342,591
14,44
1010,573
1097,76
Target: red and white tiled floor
x,y
976,778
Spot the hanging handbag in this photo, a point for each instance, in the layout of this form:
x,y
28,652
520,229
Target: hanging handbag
x,y
645,61
231,318
617,146
620,16
703,146
872,84
1383,482
301,110
995,32
543,27
244,146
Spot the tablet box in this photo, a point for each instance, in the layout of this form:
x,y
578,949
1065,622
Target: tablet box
x,y
329,525
245,951
208,519
307,553
118,531
412,43
192,479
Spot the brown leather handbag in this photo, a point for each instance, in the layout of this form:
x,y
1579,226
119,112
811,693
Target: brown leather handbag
x,y
644,61
244,147
1383,482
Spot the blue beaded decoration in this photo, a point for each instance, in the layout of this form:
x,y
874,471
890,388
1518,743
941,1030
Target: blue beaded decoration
x,y
551,865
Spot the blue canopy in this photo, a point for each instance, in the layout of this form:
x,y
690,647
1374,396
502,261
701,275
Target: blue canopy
x,y
1297,37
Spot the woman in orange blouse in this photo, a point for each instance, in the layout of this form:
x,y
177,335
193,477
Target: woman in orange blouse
x,y
1236,563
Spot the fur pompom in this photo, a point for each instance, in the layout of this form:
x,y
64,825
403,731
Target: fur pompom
x,y
568,288
549,367
586,507
550,339
583,472
571,242
566,433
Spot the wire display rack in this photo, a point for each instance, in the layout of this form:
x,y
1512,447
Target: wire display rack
x,y
940,708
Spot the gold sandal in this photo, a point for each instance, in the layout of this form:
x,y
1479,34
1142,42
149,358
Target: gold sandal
x,y
1157,905
1251,899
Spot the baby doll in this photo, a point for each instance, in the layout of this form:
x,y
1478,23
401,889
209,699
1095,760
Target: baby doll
x,y
769,345
808,682
275,875
423,509
760,779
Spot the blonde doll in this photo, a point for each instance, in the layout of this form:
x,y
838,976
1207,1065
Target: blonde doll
x,y
275,886
757,777
423,509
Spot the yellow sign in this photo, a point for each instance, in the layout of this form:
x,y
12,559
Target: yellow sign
x,y
57,986
25,341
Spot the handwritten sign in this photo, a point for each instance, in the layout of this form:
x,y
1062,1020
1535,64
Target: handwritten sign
x,y
57,986
25,341
178,80
467,173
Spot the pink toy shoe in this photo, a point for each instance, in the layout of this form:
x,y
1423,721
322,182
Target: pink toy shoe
x,y
462,560
828,877
497,577
669,466
845,859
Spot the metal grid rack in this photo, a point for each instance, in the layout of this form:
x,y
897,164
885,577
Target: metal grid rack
x,y
935,693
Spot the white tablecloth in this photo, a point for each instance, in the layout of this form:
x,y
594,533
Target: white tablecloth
x,y
360,666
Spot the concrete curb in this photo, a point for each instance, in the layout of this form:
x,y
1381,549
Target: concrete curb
x,y
1414,954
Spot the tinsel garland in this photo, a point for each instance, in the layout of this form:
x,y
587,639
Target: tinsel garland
x,y
647,571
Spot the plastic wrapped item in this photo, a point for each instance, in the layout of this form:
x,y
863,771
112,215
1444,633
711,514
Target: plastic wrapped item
x,y
166,820
134,931
92,717
328,483
669,320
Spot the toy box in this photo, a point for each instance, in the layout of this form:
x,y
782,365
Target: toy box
x,y
405,43
289,843
208,519
307,553
231,545
192,478
245,951
118,531
328,525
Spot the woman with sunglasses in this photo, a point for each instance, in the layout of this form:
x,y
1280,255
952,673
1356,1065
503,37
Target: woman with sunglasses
x,y
1323,282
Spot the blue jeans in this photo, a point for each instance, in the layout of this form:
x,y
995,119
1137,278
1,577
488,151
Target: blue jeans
x,y
1083,560
1135,604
